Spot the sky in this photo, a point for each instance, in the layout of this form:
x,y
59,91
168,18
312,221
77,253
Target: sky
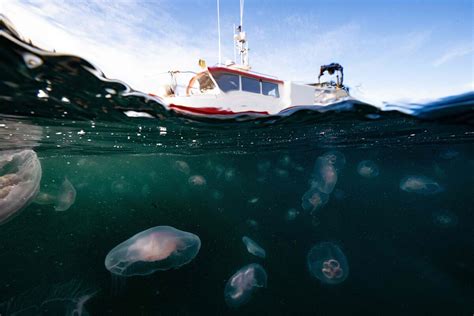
x,y
391,50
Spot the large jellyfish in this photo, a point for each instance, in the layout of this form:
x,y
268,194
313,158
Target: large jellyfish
x,y
20,176
253,247
243,283
327,262
420,185
157,248
62,199
367,169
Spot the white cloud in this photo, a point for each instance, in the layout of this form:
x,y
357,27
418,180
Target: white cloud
x,y
453,53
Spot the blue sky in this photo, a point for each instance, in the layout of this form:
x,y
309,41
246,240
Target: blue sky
x,y
392,50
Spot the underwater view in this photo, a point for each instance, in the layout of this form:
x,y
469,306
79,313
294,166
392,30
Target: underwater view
x,y
113,204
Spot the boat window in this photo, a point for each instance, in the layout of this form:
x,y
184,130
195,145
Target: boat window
x,y
227,82
271,89
250,85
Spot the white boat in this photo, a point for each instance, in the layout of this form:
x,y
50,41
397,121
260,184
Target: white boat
x,y
234,89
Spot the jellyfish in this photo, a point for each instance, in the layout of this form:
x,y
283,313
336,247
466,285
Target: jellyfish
x,y
217,195
327,263
367,169
67,299
20,176
420,185
66,196
62,199
282,173
291,214
253,200
253,247
120,186
229,174
313,200
324,176
445,219
158,248
197,181
285,161
182,166
241,286
335,158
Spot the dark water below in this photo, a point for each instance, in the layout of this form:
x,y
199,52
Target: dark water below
x,y
409,248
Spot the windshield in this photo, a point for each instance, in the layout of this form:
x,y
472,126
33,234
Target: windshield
x,y
227,82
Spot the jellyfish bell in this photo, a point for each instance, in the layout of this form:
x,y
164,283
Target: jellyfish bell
x,y
291,214
158,248
182,166
62,199
445,219
324,176
66,196
229,174
252,223
313,200
327,263
335,158
367,169
20,176
253,247
241,286
420,185
120,186
197,181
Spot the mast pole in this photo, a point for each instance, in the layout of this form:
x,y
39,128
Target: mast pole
x,y
219,31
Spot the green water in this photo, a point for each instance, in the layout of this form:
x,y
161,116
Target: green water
x,y
399,257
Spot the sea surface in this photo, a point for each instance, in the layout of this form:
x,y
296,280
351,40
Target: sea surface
x,y
358,210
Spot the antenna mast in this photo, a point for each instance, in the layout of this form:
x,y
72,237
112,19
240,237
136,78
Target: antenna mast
x,y
241,39
219,31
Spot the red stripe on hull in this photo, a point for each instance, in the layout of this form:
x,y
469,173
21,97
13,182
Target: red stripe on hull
x,y
211,110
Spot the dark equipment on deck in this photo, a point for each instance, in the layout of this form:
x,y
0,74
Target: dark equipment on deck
x,y
331,69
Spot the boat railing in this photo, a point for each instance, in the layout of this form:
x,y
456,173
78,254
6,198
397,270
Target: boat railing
x,y
177,84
